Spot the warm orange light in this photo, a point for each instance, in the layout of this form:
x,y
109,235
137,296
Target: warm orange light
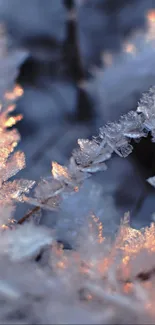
x,y
4,227
15,93
128,287
104,265
151,15
99,228
130,48
59,171
126,259
89,297
150,35
61,265
12,120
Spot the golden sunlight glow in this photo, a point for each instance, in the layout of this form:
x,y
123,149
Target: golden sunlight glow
x,y
126,260
151,15
4,227
61,265
14,144
128,287
150,35
12,120
99,228
20,159
15,93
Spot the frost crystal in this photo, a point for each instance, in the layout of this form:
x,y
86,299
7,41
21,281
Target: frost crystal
x,y
87,153
147,108
132,125
10,163
113,135
60,173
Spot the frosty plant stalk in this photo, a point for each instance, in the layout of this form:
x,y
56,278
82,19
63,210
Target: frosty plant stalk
x,y
91,156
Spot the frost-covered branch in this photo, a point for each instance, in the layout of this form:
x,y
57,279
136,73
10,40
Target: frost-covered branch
x,y
91,156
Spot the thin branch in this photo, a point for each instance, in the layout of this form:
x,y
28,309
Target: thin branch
x,y
28,215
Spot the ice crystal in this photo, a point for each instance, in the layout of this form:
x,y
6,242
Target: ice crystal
x,y
151,181
147,108
60,173
10,163
87,153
